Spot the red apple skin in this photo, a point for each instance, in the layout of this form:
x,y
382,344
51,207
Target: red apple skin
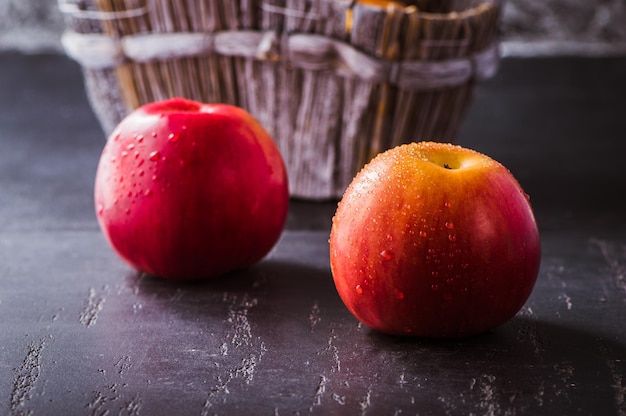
x,y
422,250
187,191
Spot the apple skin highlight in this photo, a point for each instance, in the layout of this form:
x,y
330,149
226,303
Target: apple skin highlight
x,y
434,240
187,191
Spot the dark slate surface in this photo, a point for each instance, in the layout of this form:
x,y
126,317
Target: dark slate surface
x,y
82,334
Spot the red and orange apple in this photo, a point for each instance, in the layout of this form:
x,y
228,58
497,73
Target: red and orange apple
x,y
186,190
434,240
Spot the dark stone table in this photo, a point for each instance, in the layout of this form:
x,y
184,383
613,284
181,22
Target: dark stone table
x,y
82,334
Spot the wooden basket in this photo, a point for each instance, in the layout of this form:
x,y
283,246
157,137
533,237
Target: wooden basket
x,y
334,81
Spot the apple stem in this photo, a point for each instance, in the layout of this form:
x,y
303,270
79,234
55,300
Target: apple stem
x,y
445,165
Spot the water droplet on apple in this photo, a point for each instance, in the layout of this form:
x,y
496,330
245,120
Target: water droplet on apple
x,y
154,134
449,225
130,194
116,137
435,287
387,255
141,173
423,234
399,294
148,193
140,138
154,156
389,238
100,210
130,146
128,211
447,204
452,238
124,153
173,137
359,289
435,273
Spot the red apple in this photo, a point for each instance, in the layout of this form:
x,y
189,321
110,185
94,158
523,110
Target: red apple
x,y
186,190
434,240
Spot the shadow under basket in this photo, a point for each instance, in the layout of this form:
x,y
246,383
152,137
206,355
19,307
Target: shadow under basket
x,y
334,82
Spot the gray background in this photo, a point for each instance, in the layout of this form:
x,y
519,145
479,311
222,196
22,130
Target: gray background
x,y
529,27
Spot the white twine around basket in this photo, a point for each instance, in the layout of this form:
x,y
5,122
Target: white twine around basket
x,y
300,50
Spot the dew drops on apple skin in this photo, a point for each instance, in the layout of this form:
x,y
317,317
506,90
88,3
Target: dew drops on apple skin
x,y
359,289
154,156
387,255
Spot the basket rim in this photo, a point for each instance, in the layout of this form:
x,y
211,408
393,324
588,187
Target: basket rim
x,y
71,8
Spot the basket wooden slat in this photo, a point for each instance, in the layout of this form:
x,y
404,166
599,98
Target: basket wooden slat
x,y
334,81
